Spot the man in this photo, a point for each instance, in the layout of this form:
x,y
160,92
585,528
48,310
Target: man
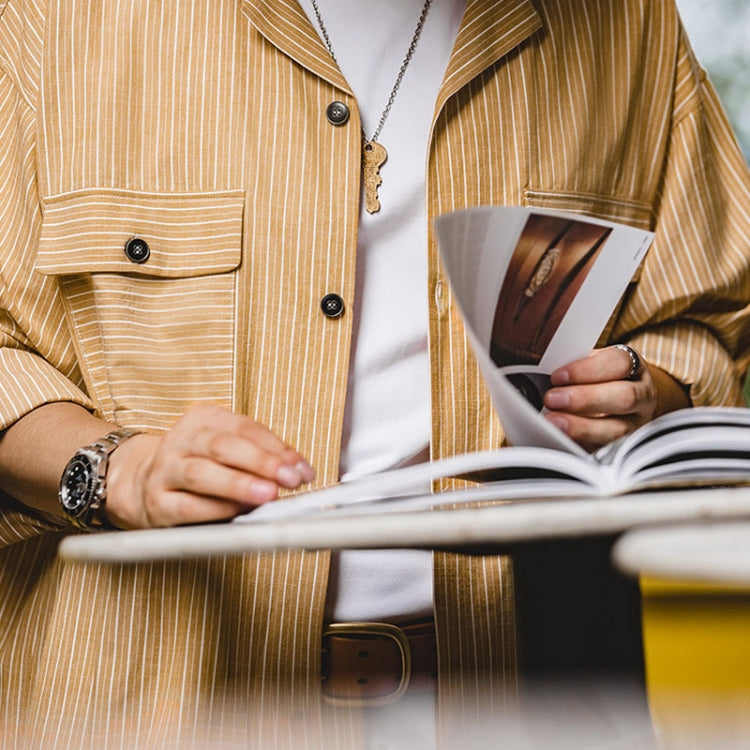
x,y
180,188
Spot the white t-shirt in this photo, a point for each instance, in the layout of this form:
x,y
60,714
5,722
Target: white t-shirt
x,y
387,422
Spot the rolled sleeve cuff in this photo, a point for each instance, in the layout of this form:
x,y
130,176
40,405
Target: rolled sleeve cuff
x,y
28,381
695,358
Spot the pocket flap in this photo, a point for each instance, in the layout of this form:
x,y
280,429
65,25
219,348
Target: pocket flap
x,y
188,234
623,210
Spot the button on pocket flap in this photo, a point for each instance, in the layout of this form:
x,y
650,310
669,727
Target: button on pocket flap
x,y
169,235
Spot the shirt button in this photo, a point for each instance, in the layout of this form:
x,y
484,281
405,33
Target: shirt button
x,y
332,305
337,113
137,250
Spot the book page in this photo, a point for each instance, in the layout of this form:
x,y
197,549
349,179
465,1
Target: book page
x,y
535,288
673,426
684,447
516,473
317,503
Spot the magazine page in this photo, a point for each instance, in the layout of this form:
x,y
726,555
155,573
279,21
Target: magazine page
x,y
522,490
516,472
535,288
684,447
673,425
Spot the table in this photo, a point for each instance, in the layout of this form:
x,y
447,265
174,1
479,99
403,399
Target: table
x,y
707,552
480,528
496,528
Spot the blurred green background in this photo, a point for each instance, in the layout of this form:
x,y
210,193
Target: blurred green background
x,y
720,33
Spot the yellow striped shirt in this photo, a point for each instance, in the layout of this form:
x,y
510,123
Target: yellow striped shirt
x,y
201,127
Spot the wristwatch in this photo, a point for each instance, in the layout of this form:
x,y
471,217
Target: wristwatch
x,y
83,486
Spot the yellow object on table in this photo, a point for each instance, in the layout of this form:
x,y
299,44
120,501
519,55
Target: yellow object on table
x,y
697,650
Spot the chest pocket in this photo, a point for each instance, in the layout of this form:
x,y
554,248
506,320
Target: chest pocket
x,y
149,285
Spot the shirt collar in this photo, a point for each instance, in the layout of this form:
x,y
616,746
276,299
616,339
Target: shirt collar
x,y
489,30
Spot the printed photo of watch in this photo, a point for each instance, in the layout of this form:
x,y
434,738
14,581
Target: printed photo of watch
x,y
83,486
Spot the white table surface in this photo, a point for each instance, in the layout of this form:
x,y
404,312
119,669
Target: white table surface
x,y
705,552
507,523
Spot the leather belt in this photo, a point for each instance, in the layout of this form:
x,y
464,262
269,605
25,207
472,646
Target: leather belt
x,y
374,663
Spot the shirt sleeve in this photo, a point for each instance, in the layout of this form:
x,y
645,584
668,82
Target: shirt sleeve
x,y
689,312
37,358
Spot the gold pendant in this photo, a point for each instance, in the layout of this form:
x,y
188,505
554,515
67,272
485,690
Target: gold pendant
x,y
373,157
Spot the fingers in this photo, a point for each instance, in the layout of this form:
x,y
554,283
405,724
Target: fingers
x,y
182,508
212,465
594,400
233,441
601,366
618,397
592,433
208,478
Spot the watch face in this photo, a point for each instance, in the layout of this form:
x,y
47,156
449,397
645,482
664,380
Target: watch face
x,y
76,488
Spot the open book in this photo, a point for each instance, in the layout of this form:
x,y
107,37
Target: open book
x,y
690,447
536,288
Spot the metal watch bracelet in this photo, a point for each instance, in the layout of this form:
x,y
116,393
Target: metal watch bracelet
x,y
83,486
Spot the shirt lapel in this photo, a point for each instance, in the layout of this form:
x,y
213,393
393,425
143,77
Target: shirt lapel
x,y
489,30
284,24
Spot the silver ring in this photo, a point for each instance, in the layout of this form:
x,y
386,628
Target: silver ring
x,y
636,363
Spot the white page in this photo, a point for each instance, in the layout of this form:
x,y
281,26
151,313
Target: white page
x,y
673,425
476,246
698,442
409,482
317,503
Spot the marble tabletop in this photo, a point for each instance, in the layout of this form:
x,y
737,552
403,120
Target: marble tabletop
x,y
712,552
464,528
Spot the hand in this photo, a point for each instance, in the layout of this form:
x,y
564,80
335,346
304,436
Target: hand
x,y
593,401
212,465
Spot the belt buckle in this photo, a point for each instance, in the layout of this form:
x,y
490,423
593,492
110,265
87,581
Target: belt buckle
x,y
381,630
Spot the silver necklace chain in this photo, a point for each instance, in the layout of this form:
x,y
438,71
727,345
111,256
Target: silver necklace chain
x,y
402,70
